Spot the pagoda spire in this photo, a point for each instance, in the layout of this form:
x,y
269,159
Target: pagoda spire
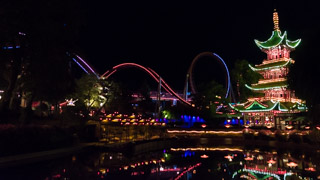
x,y
276,20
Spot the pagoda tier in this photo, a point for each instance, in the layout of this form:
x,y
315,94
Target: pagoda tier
x,y
274,68
275,102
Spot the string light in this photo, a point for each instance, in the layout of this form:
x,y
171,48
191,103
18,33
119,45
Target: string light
x,y
270,67
276,21
266,88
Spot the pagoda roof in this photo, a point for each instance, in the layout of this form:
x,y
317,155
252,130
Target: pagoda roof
x,y
274,65
277,39
256,106
266,86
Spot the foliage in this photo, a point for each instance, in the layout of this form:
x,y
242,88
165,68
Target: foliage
x,y
38,69
89,92
119,99
208,97
241,74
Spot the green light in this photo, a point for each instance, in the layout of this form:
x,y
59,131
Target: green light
x,y
266,88
268,68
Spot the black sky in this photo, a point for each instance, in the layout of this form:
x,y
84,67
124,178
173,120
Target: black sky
x,y
166,36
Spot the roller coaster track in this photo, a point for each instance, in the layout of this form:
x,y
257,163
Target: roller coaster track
x,y
89,70
150,72
217,58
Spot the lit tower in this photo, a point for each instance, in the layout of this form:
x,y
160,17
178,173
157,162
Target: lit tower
x,y
276,103
274,68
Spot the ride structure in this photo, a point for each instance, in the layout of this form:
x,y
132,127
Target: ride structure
x,y
163,84
278,101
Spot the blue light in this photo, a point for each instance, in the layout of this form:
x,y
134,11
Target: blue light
x,y
10,47
80,65
225,65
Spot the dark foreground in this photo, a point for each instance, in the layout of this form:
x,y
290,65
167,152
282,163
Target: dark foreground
x,y
199,158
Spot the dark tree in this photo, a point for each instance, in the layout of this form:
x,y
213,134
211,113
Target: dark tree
x,y
241,74
40,32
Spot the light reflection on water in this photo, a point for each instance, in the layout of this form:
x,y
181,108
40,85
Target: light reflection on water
x,y
181,162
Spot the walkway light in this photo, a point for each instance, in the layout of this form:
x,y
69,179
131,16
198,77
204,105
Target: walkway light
x,y
204,156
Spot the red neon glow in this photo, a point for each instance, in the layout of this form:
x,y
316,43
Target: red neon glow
x,y
184,172
151,72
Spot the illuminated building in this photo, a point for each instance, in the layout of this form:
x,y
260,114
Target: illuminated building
x,y
277,101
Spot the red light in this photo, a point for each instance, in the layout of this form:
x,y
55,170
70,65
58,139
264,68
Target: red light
x,y
203,125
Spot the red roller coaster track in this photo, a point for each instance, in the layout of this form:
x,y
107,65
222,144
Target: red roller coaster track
x,y
88,69
150,72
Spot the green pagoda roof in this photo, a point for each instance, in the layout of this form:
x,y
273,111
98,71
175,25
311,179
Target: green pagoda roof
x,y
256,106
274,65
267,86
277,39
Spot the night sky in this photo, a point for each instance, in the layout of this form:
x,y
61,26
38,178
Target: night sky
x,y
167,36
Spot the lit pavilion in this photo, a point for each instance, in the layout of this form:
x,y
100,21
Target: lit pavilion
x,y
278,102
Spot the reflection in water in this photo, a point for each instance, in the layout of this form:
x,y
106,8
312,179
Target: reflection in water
x,y
207,162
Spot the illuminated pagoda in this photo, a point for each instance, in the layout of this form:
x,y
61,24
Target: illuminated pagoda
x,y
278,102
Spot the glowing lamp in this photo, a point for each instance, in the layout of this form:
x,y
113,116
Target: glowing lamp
x,y
228,157
271,161
204,156
203,125
318,127
292,164
310,169
289,127
248,158
307,127
228,125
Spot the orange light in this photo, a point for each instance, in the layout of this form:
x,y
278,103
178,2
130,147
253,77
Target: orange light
x,y
248,158
289,127
307,127
310,169
227,125
292,164
271,161
204,156
228,157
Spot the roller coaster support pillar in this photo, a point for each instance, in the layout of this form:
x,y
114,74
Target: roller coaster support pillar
x,y
185,91
158,106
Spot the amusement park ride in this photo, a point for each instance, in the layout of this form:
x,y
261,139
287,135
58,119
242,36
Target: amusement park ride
x,y
155,76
